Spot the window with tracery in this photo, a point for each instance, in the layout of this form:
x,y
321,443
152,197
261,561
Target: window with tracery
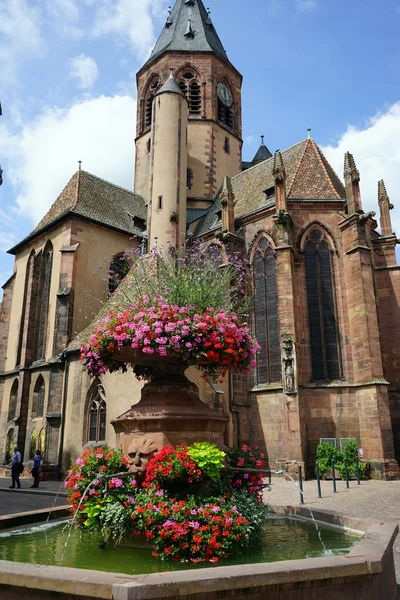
x,y
43,298
97,414
191,88
42,441
148,104
9,446
38,398
12,409
33,445
119,269
266,314
322,318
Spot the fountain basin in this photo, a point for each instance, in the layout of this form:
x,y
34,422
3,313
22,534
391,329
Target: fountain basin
x,y
366,572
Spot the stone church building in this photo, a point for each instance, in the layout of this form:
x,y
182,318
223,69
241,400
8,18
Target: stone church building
x,y
326,286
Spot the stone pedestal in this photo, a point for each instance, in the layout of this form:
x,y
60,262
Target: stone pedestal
x,y
169,412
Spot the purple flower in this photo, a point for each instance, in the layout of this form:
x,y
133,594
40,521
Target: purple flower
x,y
160,493
194,525
216,509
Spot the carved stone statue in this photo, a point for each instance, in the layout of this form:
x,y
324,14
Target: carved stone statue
x,y
140,452
288,366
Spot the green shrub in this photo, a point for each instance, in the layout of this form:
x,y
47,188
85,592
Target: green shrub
x,y
327,452
208,457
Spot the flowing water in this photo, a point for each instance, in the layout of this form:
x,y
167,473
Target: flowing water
x,y
284,539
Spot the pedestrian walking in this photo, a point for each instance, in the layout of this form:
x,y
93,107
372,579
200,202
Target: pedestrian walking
x,y
37,459
16,463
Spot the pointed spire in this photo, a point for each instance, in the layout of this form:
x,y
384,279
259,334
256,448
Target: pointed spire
x,y
170,86
227,203
279,173
262,153
189,31
352,182
384,207
181,36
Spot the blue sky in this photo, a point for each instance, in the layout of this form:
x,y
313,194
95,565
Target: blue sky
x,y
67,86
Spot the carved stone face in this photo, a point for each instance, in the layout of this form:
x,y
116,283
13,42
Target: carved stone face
x,y
140,452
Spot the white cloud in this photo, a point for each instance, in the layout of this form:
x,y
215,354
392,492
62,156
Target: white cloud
x,y
67,9
131,22
249,139
84,69
306,5
20,37
376,151
44,154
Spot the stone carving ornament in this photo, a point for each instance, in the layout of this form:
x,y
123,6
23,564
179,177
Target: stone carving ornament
x,y
288,366
140,452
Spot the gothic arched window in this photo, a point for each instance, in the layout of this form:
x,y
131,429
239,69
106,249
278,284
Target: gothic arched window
x,y
321,306
266,314
148,103
38,398
119,268
33,445
9,446
12,408
41,441
191,88
43,298
96,413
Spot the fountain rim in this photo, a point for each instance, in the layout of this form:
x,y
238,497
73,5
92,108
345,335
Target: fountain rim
x,y
368,557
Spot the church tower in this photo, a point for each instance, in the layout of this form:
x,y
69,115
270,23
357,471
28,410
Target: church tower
x,y
190,46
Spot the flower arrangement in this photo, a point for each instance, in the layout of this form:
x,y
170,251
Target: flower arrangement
x,y
191,528
247,458
213,338
172,465
178,523
86,481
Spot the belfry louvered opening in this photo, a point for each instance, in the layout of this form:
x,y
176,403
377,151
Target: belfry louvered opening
x,y
192,91
325,355
266,314
148,116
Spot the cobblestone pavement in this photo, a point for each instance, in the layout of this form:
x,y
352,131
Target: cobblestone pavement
x,y
378,500
26,499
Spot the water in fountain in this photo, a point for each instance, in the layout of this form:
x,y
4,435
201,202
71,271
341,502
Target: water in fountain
x,y
326,551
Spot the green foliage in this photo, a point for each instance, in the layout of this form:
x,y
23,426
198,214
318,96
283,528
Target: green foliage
x,y
200,279
92,511
115,520
327,452
208,457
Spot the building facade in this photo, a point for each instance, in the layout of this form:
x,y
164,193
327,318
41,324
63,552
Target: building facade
x,y
324,283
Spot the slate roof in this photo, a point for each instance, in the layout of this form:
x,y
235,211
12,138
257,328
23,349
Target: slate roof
x,y
309,177
97,200
203,39
262,153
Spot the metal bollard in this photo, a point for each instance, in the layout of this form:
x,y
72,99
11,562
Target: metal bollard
x,y
346,472
301,485
318,480
269,477
358,471
333,477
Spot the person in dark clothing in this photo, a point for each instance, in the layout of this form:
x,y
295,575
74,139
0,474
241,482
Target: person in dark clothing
x,y
16,468
36,469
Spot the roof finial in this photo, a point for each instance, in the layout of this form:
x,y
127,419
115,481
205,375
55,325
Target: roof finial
x,y
262,140
309,133
171,73
80,165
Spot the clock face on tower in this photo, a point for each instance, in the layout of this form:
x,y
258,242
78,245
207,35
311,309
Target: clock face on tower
x,y
225,95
